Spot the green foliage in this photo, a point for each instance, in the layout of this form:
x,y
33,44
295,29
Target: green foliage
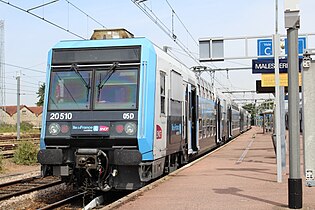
x,y
6,128
26,153
41,95
252,109
24,127
267,104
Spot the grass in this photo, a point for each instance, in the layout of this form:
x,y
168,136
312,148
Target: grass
x,y
24,127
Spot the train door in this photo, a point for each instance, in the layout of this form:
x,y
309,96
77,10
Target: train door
x,y
175,119
241,121
229,121
225,134
191,119
218,122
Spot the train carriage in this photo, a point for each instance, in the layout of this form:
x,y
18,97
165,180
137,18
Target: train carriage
x,y
119,113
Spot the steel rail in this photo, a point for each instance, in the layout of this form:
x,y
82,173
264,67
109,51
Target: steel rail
x,y
23,186
62,202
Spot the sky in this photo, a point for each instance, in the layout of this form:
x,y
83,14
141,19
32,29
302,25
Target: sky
x,y
28,39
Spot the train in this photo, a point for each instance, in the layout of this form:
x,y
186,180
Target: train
x,y
120,112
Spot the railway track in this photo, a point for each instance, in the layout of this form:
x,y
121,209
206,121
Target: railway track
x,y
7,147
63,203
14,140
13,137
23,186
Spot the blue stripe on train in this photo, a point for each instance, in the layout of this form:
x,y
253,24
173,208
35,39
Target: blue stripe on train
x,y
147,100
43,129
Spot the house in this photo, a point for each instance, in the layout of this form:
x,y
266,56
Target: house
x,y
29,114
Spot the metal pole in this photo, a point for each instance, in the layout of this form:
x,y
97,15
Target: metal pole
x,y
280,117
18,107
2,72
276,15
282,129
276,39
292,23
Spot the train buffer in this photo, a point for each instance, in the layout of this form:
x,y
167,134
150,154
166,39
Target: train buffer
x,y
241,175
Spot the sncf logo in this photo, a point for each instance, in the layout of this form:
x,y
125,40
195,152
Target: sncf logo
x,y
104,128
158,132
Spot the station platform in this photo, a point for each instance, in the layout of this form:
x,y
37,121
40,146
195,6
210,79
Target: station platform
x,y
241,175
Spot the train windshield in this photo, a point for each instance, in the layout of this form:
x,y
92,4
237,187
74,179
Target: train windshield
x,y
116,89
70,90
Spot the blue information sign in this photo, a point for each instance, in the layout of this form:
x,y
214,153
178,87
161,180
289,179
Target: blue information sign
x,y
264,46
268,66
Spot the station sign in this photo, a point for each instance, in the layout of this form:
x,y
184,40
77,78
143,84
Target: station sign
x,y
260,89
268,80
267,66
264,46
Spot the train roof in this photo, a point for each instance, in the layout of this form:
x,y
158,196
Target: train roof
x,y
140,41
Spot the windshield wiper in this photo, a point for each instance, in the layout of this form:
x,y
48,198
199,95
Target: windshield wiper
x,y
74,67
110,72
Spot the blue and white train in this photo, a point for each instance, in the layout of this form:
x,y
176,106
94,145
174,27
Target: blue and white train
x,y
121,112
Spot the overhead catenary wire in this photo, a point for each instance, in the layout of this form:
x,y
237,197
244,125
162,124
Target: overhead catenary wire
x,y
52,23
32,77
76,7
14,93
29,91
34,86
42,18
182,23
151,15
28,82
21,67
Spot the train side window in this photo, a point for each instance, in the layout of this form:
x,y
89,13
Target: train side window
x,y
200,128
204,128
162,91
202,92
209,127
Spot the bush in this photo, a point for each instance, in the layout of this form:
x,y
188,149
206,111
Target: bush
x,y
26,153
26,126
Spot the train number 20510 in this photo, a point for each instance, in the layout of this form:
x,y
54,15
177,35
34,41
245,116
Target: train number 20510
x,y
61,116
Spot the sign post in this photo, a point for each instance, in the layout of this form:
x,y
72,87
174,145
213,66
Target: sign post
x,y
292,23
276,40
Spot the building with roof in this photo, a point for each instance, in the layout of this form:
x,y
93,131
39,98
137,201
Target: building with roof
x,y
29,114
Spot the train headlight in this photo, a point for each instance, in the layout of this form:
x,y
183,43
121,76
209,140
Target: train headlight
x,y
130,128
54,129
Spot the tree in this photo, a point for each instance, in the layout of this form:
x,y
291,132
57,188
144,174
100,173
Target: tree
x,y
252,109
41,95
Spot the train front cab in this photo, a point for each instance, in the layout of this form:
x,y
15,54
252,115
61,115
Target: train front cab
x,y
86,139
